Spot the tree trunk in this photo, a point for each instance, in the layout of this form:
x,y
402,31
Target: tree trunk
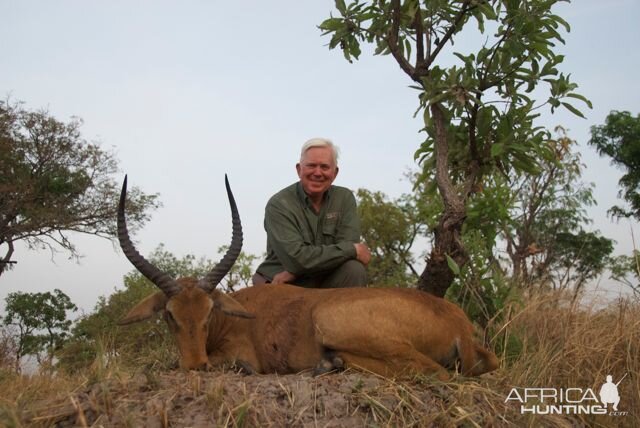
x,y
437,275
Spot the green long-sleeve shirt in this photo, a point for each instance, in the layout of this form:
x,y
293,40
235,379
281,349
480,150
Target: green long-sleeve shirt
x,y
304,242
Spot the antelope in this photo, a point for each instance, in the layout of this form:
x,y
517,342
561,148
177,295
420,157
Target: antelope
x,y
288,329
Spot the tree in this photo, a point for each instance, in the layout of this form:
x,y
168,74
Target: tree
x,y
576,257
626,270
52,182
544,233
41,321
390,229
619,139
478,113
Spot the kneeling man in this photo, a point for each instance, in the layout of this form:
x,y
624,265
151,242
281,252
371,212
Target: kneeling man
x,y
313,229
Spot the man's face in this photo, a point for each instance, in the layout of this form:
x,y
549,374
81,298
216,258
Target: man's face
x,y
317,170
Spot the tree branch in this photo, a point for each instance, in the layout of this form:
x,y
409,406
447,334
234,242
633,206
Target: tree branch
x,y
420,68
483,81
4,263
441,146
463,11
473,121
392,42
408,263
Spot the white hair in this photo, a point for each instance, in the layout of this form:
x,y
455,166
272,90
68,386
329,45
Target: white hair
x,y
320,142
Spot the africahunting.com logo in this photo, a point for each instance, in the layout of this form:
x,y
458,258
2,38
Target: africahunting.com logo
x,y
569,401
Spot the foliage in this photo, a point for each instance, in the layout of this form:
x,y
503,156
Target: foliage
x,y
53,181
544,232
241,272
481,287
540,218
99,335
619,139
479,112
626,270
390,228
41,321
390,235
577,257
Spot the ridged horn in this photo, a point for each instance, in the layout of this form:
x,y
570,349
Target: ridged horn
x,y
211,280
162,280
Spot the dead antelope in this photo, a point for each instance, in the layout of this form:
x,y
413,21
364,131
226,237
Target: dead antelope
x,y
288,329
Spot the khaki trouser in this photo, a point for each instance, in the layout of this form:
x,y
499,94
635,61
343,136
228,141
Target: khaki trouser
x,y
351,273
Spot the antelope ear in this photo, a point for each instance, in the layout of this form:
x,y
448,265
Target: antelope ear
x,y
229,306
145,309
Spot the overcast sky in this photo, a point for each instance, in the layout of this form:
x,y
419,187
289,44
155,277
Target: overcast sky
x,y
187,91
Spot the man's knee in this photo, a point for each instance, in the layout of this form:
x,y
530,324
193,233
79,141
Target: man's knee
x,y
259,279
357,271
351,273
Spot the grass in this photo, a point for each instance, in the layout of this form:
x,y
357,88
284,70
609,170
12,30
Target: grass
x,y
569,347
547,343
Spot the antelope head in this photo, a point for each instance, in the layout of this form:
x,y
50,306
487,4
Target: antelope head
x,y
188,304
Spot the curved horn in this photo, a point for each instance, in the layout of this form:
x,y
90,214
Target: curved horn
x,y
164,281
212,279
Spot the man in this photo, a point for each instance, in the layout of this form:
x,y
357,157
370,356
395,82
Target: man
x,y
313,229
609,393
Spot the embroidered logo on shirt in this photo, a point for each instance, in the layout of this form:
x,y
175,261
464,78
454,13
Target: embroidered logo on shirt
x,y
332,216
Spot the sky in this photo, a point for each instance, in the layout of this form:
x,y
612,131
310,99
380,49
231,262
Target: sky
x,y
184,92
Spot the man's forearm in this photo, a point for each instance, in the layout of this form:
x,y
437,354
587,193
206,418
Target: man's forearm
x,y
300,259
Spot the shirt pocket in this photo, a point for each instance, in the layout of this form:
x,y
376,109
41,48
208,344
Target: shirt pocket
x,y
329,230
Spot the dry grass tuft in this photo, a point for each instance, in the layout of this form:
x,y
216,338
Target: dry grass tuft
x,y
547,343
564,345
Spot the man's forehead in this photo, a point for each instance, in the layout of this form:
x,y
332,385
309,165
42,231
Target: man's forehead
x,y
318,155
315,161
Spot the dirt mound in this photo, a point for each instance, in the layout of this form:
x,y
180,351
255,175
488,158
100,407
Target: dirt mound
x,y
196,399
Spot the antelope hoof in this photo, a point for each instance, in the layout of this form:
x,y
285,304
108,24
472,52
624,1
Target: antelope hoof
x,y
244,367
328,365
338,363
323,367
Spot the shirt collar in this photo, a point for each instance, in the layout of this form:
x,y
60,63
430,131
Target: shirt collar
x,y
305,198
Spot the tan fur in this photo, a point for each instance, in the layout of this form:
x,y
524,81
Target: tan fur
x,y
389,331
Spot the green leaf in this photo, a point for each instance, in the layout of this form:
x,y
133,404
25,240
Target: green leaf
x,y
573,110
564,23
354,47
497,150
453,265
438,98
331,24
382,48
487,10
581,98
